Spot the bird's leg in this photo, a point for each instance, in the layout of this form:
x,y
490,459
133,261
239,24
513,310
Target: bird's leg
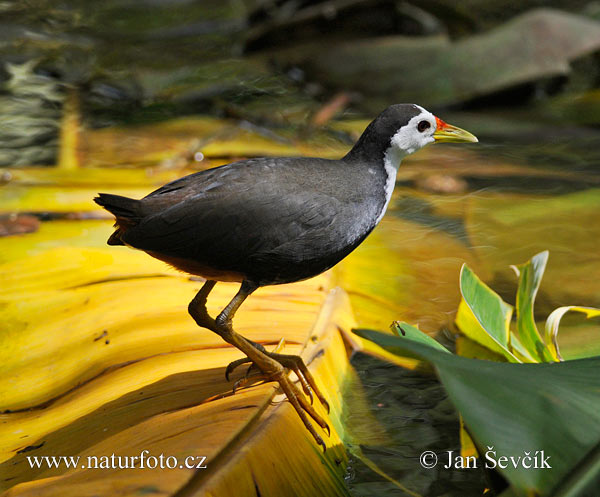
x,y
197,307
274,370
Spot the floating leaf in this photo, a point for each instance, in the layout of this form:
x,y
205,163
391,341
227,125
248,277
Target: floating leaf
x,y
100,357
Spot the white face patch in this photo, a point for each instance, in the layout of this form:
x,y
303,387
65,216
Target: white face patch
x,y
408,139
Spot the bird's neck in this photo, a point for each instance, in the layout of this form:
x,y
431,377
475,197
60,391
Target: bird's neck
x,y
386,155
391,162
387,158
393,157
366,150
373,147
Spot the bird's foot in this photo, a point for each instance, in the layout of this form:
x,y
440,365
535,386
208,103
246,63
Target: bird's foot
x,y
246,360
290,363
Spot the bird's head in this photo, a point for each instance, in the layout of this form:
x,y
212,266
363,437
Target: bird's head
x,y
403,129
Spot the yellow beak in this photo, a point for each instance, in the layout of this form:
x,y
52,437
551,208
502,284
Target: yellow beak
x,y
452,134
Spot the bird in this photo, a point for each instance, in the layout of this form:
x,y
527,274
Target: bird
x,y
275,220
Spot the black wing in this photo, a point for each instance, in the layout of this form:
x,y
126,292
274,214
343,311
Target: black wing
x,y
263,209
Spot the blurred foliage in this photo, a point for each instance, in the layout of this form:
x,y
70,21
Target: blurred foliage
x,y
277,62
435,70
30,116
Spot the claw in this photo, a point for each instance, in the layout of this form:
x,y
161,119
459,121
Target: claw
x,y
279,346
233,365
319,440
305,386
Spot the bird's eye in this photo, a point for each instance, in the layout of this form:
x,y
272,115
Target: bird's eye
x,y
423,125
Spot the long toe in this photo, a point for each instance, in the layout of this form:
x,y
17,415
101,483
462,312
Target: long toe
x,y
276,367
302,407
296,364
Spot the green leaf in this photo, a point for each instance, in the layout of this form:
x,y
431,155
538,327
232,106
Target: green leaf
x,y
520,408
483,316
530,276
409,332
585,480
466,347
519,350
553,322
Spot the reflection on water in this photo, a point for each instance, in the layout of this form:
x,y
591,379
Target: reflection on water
x,y
408,413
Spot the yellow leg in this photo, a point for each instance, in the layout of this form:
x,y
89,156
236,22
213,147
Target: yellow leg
x,y
274,366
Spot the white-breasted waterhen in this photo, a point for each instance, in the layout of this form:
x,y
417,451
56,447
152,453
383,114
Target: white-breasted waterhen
x,y
275,220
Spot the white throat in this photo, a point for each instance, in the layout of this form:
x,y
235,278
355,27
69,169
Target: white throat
x,y
406,141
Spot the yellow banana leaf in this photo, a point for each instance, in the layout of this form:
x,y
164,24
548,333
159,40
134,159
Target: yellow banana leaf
x,y
99,356
60,190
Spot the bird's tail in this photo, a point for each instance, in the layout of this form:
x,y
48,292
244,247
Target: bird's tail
x,y
126,210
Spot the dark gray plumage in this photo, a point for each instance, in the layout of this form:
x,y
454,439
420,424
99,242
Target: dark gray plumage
x,y
270,220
